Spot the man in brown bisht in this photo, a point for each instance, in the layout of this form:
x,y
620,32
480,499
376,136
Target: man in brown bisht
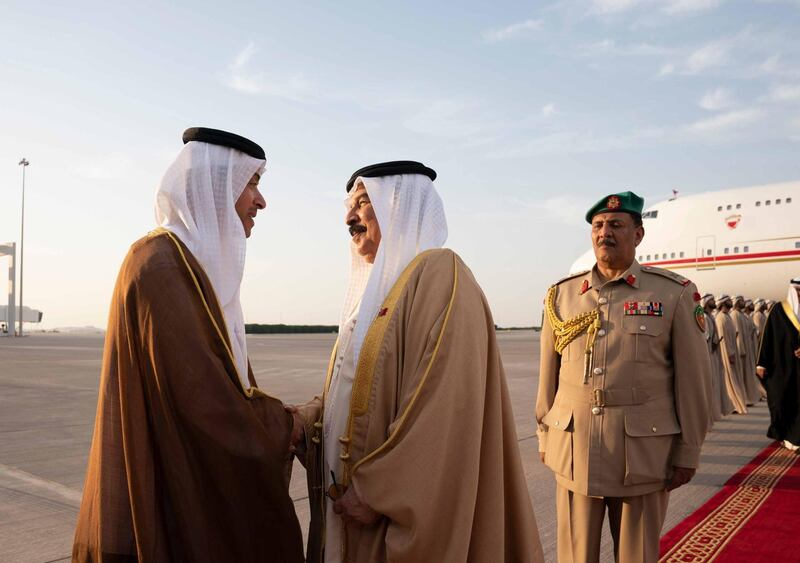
x,y
412,451
189,459
623,386
731,360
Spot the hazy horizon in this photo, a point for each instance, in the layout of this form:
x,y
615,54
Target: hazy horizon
x,y
529,114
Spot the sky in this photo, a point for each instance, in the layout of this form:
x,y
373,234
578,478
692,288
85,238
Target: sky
x,y
529,112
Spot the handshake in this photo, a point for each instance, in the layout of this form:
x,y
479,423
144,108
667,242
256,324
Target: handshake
x,y
346,502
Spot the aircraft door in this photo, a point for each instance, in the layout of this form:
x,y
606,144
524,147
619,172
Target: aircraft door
x,y
706,253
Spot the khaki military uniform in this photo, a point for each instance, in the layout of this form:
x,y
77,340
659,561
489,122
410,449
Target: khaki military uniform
x,y
613,423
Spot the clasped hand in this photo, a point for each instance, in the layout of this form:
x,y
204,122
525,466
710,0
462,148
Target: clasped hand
x,y
680,476
355,511
298,428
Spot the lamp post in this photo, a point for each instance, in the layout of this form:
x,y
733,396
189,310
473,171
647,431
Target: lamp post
x,y
24,163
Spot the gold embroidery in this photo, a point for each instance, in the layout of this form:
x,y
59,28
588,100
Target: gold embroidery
x,y
330,370
362,382
401,421
787,308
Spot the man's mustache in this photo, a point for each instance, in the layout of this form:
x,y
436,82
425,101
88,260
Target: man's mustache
x,y
357,228
606,242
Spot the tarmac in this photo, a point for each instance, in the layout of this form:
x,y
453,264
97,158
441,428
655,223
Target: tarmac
x,y
48,395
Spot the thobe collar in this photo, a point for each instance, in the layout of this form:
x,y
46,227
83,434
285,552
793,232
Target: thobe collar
x,y
630,277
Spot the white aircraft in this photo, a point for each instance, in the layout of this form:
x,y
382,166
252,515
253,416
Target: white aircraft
x,y
743,241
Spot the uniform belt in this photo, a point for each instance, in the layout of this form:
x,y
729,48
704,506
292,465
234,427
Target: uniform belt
x,y
614,397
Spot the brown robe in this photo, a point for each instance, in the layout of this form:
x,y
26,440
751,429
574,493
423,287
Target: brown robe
x,y
185,464
433,446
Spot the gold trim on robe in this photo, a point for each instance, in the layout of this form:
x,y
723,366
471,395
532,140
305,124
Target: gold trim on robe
x,y
787,308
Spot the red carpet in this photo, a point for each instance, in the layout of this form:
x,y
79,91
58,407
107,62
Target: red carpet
x,y
754,518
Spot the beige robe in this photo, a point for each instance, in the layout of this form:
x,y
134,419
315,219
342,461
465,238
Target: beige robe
x,y
747,354
432,445
759,319
731,361
720,404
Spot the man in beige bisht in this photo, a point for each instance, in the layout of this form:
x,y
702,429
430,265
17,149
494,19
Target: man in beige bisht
x,y
755,334
413,441
747,353
720,404
623,386
731,360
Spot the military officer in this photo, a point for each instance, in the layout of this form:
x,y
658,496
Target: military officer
x,y
623,385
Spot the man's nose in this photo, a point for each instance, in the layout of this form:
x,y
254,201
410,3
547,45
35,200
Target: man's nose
x,y
351,217
259,200
605,232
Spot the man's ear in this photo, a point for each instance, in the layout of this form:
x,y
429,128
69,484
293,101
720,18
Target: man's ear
x,y
639,236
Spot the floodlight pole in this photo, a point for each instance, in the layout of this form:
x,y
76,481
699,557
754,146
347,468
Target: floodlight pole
x,y
24,163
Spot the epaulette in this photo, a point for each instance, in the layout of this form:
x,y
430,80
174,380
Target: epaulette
x,y
669,274
572,276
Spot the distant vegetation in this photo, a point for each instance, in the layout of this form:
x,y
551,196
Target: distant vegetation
x,y
327,329
289,329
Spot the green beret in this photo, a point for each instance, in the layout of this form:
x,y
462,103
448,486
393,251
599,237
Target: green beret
x,y
625,202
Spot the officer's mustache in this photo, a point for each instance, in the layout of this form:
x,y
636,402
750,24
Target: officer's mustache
x,y
357,228
606,242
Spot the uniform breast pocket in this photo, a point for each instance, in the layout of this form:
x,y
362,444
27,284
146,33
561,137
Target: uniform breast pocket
x,y
575,350
558,451
644,339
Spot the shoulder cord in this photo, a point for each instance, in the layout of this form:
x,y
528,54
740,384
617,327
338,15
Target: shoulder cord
x,y
565,332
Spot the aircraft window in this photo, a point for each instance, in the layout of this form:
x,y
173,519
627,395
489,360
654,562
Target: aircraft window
x,y
746,249
708,252
777,202
758,204
736,250
719,208
672,255
788,200
726,251
797,244
682,254
767,202
648,257
738,206
729,207
650,214
640,258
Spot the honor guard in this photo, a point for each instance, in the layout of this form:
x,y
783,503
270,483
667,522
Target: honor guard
x,y
623,386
